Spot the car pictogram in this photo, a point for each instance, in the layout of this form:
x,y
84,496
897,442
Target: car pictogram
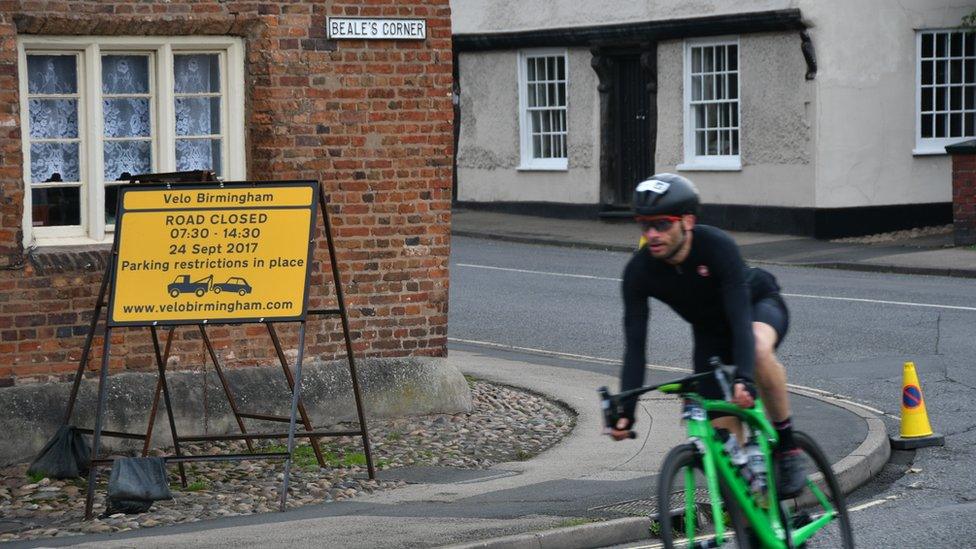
x,y
233,284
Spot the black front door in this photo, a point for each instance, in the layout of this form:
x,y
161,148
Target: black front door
x,y
632,125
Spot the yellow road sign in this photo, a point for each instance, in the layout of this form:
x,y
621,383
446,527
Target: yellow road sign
x,y
237,253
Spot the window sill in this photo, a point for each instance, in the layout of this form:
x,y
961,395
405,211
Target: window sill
x,y
49,259
929,152
710,167
534,169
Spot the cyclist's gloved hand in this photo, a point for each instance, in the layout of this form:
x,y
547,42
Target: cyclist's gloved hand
x,y
743,393
621,431
623,425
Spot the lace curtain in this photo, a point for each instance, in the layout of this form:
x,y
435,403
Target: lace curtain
x,y
197,87
52,111
53,121
125,116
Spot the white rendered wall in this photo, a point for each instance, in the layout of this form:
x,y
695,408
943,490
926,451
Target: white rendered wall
x,y
478,16
866,101
488,146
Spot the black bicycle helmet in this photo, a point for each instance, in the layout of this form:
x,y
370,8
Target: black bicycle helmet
x,y
665,194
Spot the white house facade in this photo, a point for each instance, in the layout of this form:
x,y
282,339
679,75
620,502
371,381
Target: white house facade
x,y
822,118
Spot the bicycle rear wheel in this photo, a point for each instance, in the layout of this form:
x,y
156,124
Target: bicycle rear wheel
x,y
685,507
809,505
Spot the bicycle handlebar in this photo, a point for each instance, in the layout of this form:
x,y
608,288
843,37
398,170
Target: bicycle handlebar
x,y
612,405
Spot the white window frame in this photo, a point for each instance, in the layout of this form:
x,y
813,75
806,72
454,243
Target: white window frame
x,y
693,161
93,229
935,145
527,160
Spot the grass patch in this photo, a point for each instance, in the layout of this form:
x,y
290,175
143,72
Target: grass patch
x,y
522,455
34,478
197,485
655,528
575,522
304,457
394,435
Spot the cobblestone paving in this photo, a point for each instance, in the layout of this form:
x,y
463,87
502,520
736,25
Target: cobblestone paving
x,y
505,424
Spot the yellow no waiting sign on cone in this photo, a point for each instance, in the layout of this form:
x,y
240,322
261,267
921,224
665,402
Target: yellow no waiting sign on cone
x,y
916,432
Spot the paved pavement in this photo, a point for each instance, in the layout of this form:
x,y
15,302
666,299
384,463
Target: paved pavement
x,y
932,255
518,504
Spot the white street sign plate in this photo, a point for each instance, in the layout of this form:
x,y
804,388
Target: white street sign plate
x,y
364,28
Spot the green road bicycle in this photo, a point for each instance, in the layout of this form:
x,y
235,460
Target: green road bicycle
x,y
708,498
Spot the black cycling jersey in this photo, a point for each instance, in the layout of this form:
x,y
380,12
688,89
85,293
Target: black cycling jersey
x,y
712,289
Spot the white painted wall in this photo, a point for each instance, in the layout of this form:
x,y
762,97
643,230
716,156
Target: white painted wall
x,y
866,101
488,145
477,16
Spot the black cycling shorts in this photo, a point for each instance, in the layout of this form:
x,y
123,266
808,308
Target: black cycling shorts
x,y
771,310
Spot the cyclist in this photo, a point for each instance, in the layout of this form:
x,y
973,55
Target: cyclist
x,y
736,312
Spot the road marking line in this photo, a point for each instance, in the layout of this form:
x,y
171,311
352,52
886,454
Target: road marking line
x,y
869,504
884,302
601,360
565,275
802,296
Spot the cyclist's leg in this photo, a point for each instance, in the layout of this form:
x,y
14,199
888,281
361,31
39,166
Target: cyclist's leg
x,y
770,373
769,326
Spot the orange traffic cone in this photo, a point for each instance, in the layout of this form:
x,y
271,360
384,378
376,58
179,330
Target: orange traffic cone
x,y
916,432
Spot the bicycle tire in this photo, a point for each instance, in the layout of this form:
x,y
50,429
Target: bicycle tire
x,y
808,446
677,460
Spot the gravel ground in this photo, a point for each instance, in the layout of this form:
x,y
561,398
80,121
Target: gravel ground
x,y
506,424
908,234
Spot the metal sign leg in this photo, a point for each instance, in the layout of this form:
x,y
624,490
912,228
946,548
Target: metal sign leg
x,y
158,393
295,396
345,330
169,405
226,385
291,386
86,349
99,412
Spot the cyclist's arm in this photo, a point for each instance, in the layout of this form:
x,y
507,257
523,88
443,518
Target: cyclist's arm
x,y
636,312
738,311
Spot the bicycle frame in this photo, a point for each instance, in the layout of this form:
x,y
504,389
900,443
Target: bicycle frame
x,y
765,519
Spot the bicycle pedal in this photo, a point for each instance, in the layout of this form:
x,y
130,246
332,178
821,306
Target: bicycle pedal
x,y
800,519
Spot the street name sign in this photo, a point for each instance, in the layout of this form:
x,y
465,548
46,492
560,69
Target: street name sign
x,y
191,254
365,28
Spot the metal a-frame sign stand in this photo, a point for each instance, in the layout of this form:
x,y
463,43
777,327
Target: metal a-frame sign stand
x,y
162,387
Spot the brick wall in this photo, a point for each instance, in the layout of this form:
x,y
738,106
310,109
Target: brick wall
x,y
371,120
964,192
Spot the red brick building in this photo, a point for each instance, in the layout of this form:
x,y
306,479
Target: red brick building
x,y
92,89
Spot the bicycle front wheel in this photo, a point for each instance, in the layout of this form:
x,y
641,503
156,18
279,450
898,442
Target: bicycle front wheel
x,y
685,511
821,496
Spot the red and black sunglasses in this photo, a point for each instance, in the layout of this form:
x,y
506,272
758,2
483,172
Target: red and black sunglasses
x,y
659,223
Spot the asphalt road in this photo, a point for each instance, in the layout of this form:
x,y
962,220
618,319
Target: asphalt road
x,y
850,334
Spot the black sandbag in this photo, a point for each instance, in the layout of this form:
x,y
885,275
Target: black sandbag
x,y
66,455
135,483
